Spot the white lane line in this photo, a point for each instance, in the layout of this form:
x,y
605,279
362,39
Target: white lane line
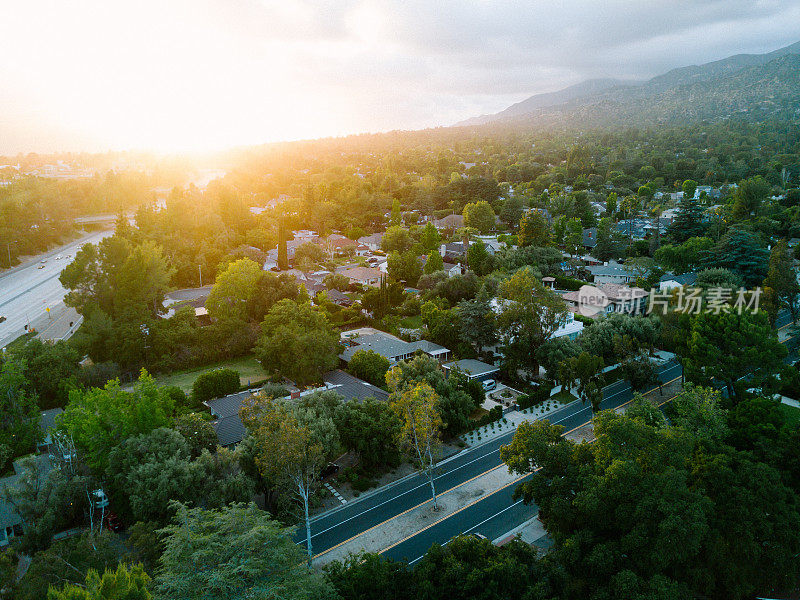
x,y
471,528
425,484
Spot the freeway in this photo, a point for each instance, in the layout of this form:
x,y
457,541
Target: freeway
x,y
497,513
338,526
28,290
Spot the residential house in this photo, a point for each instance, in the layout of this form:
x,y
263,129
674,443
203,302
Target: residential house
x,y
473,369
589,238
611,272
338,298
453,252
605,298
390,347
452,269
368,276
373,242
230,429
570,327
670,281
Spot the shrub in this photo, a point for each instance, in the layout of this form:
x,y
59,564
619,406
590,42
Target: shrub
x,y
214,384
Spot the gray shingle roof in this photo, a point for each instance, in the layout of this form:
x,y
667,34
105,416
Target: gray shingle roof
x,y
473,367
389,346
353,388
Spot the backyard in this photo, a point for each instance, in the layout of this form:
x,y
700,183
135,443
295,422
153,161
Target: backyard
x,y
249,368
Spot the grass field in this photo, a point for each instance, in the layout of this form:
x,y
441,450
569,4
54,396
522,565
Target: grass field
x,y
249,368
414,322
792,414
564,397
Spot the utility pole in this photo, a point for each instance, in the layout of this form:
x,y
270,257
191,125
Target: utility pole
x,y
200,269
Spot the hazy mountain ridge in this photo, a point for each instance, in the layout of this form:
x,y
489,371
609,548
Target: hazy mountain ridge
x,y
754,85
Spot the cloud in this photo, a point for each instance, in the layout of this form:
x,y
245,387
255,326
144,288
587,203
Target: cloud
x,y
203,73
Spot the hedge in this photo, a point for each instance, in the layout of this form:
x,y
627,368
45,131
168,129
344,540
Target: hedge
x,y
215,384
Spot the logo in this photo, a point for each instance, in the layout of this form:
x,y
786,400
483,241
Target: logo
x,y
592,301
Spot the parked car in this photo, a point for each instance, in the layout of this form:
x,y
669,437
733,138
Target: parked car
x,y
328,470
40,267
2,318
489,384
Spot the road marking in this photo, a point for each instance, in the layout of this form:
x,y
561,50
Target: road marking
x,y
471,528
502,464
452,514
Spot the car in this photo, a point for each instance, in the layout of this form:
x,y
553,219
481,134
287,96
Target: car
x,y
2,318
44,260
489,384
329,470
40,267
58,257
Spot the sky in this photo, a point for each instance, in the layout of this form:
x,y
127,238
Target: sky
x,y
174,75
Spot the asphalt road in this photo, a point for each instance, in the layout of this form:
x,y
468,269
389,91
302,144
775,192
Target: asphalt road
x,y
27,291
338,526
498,513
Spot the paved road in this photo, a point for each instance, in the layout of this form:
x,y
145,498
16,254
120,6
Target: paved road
x,y
336,527
27,291
498,513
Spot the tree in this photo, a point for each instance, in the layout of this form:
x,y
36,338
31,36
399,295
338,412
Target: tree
x,y
404,268
198,433
395,218
19,414
478,258
68,561
309,254
511,212
50,369
588,370
689,222
233,291
434,263
287,449
283,257
534,230
430,239
477,323
421,424
728,346
689,187
480,216
685,257
663,512
396,239
369,428
609,241
99,419
740,252
573,237
367,576
119,584
215,384
297,341
781,278
470,568
238,551
556,351
749,196
697,409
336,281
369,366
529,315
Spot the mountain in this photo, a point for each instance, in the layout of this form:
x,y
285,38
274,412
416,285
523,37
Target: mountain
x,y
573,92
755,86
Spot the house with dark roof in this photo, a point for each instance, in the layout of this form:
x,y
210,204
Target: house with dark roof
x,y
230,429
338,298
390,347
590,237
474,369
670,281
611,272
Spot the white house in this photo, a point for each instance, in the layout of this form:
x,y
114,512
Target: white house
x,y
611,272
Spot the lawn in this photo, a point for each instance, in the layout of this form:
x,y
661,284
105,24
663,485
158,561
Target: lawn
x,y
791,413
564,397
414,322
249,368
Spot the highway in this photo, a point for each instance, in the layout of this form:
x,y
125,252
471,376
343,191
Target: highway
x,y
27,291
338,526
